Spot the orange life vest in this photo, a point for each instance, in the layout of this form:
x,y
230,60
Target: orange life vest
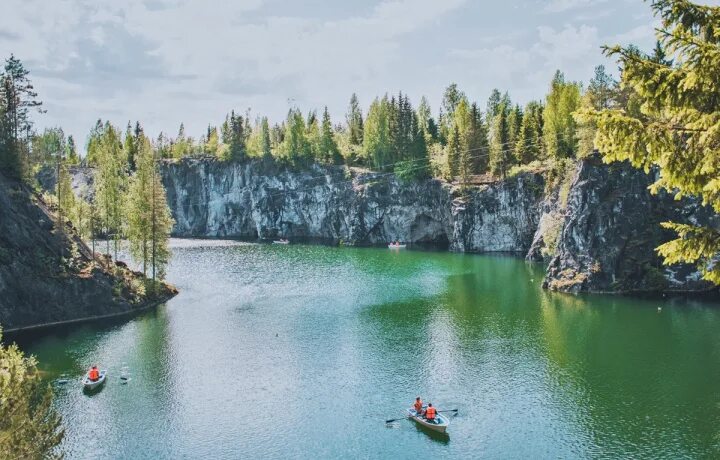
x,y
418,406
430,413
94,374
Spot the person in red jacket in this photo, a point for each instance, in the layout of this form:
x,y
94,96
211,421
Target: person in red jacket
x,y
430,413
94,374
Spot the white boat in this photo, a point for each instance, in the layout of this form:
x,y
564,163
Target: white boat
x,y
440,423
281,242
397,246
90,385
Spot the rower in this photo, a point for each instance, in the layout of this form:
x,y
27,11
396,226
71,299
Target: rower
x,y
430,413
418,406
94,374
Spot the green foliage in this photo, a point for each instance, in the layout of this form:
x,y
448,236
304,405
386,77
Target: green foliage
x,y
29,427
295,147
529,145
110,182
501,151
354,121
377,149
327,149
148,217
17,98
559,129
677,126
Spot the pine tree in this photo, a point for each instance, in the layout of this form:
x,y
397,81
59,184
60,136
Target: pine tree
x,y
354,121
130,147
328,148
676,128
453,152
149,219
71,153
110,184
30,427
265,138
501,152
17,97
476,150
528,146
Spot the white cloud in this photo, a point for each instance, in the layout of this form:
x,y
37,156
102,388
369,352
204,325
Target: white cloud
x,y
557,6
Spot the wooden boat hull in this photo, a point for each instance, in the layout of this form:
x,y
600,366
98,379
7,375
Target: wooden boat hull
x,y
440,425
90,385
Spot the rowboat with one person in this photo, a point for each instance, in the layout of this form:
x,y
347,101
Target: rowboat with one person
x,y
281,241
90,384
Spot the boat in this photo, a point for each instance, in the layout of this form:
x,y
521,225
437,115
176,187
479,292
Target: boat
x,y
396,246
281,241
440,424
90,385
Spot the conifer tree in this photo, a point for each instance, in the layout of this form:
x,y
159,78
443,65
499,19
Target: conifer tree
x,y
130,147
328,148
354,121
528,146
453,152
676,128
110,183
501,152
71,152
149,219
265,138
30,427
17,98
295,147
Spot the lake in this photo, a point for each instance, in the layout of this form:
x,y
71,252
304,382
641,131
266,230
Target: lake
x,y
274,351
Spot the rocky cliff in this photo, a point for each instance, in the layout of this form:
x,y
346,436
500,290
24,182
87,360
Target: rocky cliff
x,y
258,200
611,229
48,276
595,225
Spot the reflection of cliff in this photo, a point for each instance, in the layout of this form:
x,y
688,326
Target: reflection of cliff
x,y
634,372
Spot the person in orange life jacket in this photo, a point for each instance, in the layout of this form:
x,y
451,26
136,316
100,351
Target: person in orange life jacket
x,y
94,374
418,406
430,413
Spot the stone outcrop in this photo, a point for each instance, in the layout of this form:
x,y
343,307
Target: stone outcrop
x,y
611,230
48,276
595,225
338,204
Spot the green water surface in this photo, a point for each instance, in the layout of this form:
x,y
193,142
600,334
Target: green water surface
x,y
274,351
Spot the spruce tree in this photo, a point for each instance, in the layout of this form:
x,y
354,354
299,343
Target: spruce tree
x,y
675,129
328,148
354,121
528,146
501,152
110,184
377,144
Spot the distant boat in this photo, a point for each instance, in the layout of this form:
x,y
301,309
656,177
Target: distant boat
x,y
91,385
397,246
440,423
281,241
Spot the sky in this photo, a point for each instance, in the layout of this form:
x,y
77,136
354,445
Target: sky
x,y
164,62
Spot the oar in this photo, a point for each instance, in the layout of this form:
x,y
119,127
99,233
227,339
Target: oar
x,y
447,410
395,419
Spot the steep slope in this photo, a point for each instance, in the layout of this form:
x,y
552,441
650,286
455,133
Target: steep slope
x,y
48,276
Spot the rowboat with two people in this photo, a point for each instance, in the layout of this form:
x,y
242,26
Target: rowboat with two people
x,y
396,245
282,241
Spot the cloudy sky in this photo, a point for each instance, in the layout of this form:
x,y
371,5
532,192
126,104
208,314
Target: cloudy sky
x,y
167,61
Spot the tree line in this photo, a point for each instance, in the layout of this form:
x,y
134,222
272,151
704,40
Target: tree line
x,y
129,199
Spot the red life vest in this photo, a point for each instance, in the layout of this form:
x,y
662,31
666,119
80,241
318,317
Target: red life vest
x,y
430,413
94,374
418,406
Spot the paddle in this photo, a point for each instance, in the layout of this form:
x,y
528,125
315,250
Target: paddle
x,y
403,418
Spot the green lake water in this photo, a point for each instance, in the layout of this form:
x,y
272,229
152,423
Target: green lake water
x,y
274,351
